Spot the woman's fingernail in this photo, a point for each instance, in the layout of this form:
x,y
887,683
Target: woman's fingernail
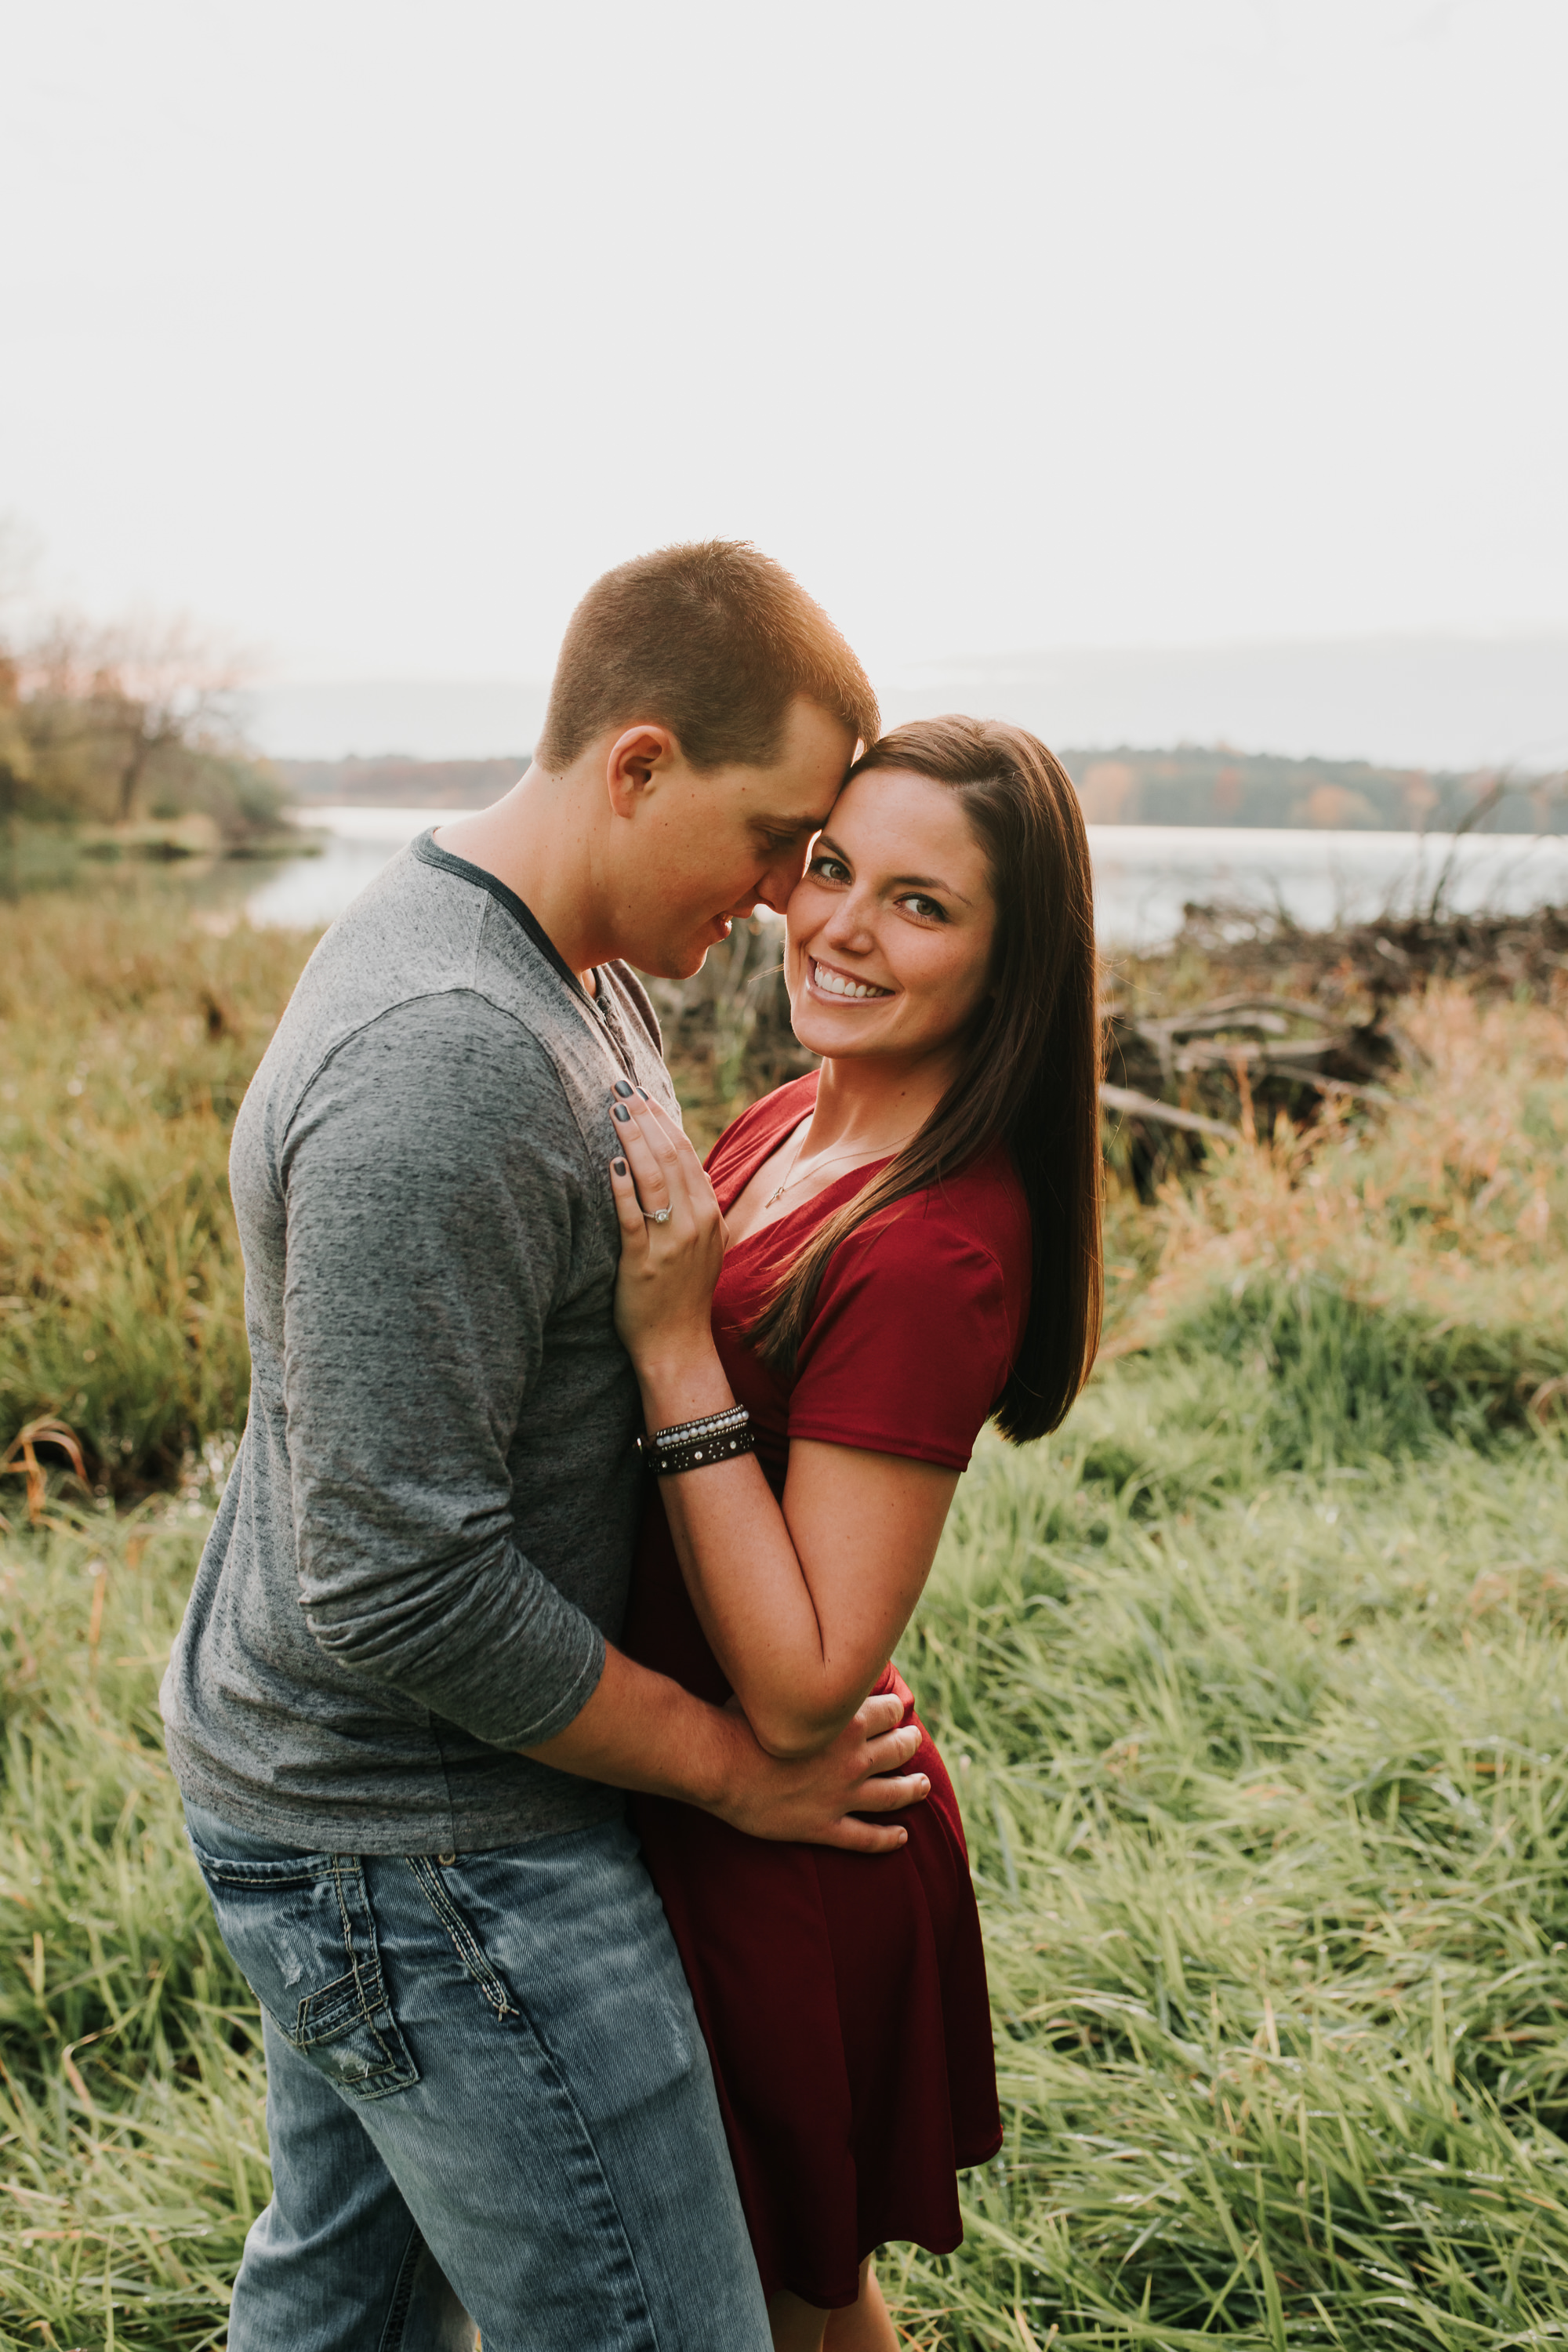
x,y
623,1087
644,1092
619,1166
622,1113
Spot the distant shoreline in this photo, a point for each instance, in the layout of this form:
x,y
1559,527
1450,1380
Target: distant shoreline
x,y
1187,786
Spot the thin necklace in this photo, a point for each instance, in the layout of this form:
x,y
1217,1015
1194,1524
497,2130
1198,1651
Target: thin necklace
x,y
792,1179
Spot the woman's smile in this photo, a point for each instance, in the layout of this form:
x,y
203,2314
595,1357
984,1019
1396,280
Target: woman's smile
x,y
832,980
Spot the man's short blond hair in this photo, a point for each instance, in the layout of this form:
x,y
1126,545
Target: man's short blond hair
x,y
712,641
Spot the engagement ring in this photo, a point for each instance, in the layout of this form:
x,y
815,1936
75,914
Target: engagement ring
x,y
660,1216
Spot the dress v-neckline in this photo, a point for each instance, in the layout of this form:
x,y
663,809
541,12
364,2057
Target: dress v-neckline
x,y
751,1164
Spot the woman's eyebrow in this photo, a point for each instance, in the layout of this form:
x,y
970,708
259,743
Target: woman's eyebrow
x,y
927,882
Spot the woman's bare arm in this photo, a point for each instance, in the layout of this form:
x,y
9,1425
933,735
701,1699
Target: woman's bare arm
x,y
801,1605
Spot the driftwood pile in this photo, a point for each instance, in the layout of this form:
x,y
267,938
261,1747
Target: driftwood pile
x,y
1316,1022
1205,1070
1387,958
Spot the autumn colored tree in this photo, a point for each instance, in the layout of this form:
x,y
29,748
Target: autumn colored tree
x,y
129,720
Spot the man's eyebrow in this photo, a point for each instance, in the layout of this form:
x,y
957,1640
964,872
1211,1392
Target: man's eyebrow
x,y
788,824
903,881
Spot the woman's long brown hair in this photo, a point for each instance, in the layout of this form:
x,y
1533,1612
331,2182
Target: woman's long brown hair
x,y
1031,1065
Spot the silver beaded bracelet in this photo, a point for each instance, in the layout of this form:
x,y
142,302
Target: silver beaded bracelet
x,y
710,1422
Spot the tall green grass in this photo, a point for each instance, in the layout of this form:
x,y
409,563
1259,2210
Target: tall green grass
x,y
1266,1778
132,2146
128,1036
1267,1799
1332,1379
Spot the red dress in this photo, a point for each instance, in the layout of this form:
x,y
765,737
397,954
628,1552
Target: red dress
x,y
843,1996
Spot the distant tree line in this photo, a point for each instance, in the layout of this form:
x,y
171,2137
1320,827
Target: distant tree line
x,y
1195,786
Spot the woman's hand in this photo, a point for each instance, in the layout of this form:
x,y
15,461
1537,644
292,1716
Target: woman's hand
x,y
664,1294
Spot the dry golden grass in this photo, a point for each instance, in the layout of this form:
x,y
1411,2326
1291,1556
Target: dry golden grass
x,y
1452,1203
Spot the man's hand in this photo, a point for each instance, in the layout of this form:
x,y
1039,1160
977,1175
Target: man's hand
x,y
641,1730
815,1799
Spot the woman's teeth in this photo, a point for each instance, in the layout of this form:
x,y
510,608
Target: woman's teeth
x,y
838,984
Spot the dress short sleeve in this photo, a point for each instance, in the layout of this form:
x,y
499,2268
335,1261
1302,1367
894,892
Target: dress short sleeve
x,y
913,1336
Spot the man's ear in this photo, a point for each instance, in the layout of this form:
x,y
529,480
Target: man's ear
x,y
634,761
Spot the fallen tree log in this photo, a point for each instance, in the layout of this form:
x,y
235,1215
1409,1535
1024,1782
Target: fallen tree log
x,y
1237,1064
1134,1105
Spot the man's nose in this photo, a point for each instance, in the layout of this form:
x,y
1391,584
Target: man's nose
x,y
776,885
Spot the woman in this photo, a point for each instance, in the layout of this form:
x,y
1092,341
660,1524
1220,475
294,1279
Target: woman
x,y
890,1251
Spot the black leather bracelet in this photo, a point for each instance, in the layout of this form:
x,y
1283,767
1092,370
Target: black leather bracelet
x,y
695,1447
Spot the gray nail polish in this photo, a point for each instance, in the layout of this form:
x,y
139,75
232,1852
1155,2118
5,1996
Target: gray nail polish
x,y
622,1087
622,1113
619,1166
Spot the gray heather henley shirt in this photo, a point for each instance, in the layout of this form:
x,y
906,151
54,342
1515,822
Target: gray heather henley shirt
x,y
426,1539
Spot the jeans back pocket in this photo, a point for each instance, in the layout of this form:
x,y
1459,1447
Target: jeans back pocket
x,y
303,1936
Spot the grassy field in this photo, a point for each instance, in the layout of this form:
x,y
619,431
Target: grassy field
x,y
127,1035
1252,1682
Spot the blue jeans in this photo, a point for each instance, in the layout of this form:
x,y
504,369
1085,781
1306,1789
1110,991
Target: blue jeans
x,y
489,2104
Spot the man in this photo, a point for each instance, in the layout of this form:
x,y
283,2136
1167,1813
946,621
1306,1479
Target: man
x,y
394,1710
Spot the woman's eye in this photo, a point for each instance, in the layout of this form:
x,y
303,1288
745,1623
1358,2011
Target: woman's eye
x,y
830,869
928,910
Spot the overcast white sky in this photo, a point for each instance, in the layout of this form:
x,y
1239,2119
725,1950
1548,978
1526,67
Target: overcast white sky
x,y
371,333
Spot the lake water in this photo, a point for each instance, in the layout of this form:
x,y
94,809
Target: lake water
x,y
1144,873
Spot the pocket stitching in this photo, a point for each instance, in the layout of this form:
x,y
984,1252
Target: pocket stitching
x,y
470,1950
263,1875
366,1978
367,1982
317,2019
